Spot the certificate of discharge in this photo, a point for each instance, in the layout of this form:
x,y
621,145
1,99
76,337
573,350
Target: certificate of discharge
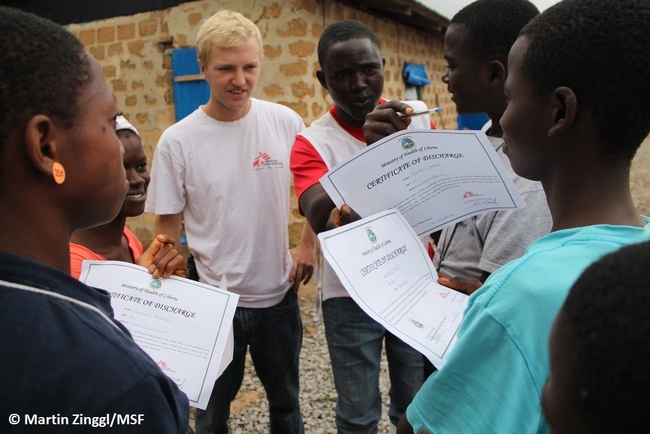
x,y
384,267
433,177
184,326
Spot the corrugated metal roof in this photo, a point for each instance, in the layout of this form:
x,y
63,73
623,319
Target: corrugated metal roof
x,y
408,12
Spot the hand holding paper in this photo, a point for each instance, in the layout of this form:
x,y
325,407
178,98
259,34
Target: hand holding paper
x,y
340,217
183,325
386,270
460,284
434,178
162,259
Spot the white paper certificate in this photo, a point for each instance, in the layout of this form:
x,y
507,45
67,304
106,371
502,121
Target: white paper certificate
x,y
385,268
433,177
183,325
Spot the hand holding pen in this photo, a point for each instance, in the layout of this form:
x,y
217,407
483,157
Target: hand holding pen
x,y
421,113
389,118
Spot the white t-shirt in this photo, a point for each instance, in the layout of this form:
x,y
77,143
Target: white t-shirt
x,y
231,180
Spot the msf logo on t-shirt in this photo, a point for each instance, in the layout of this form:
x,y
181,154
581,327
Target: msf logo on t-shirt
x,y
262,158
264,161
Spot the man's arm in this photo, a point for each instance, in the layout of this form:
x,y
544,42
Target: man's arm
x,y
304,258
168,224
317,206
308,167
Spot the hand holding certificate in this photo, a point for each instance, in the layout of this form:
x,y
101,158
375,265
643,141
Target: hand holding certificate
x,y
386,270
183,325
434,178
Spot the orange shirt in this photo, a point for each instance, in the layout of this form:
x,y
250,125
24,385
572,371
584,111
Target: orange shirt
x,y
78,253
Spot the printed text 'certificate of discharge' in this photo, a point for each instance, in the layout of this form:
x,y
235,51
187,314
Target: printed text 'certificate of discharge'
x,y
183,325
433,177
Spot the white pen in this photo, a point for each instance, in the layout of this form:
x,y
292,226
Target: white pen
x,y
420,113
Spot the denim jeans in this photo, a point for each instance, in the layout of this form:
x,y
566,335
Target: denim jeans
x,y
274,336
355,343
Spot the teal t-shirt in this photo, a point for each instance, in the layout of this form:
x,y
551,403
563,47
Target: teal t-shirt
x,y
493,379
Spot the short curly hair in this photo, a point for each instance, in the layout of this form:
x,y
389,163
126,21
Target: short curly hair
x,y
609,330
493,25
43,71
599,49
342,31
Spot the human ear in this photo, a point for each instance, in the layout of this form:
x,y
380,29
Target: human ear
x,y
320,75
564,105
41,144
498,73
202,68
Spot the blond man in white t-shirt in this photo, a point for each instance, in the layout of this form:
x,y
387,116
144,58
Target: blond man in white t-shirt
x,y
225,169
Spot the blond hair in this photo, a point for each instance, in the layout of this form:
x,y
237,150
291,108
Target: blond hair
x,y
225,29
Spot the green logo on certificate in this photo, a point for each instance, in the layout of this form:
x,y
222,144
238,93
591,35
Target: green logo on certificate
x,y
155,284
406,142
371,235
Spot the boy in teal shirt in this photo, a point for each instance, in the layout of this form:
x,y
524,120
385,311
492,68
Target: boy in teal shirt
x,y
568,125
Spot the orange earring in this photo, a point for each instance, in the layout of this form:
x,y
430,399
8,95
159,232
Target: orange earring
x,y
58,172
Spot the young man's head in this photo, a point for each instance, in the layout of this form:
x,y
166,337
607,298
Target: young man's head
x,y
229,50
600,349
352,69
477,43
599,50
57,125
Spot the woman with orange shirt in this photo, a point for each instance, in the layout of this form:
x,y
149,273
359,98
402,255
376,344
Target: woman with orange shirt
x,y
113,240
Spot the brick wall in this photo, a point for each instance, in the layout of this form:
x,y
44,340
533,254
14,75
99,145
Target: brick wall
x,y
135,52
